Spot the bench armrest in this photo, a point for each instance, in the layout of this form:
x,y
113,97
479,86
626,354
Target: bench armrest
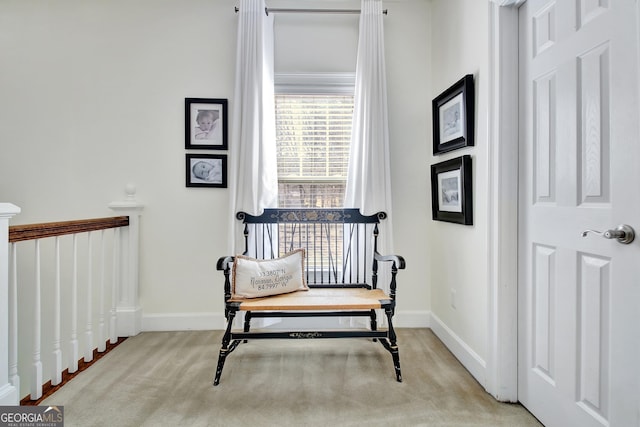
x,y
224,263
397,263
397,259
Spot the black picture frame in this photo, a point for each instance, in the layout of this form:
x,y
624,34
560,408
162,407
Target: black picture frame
x,y
453,116
199,115
206,170
451,191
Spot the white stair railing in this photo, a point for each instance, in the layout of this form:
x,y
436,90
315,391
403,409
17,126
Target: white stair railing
x,y
43,294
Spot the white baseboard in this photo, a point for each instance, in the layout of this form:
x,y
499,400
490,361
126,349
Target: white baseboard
x,y
129,319
412,319
9,395
182,322
208,321
469,358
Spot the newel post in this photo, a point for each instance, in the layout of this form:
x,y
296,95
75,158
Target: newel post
x,y
128,310
8,392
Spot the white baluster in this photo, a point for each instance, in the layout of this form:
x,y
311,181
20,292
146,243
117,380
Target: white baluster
x,y
88,349
8,334
113,330
14,377
73,362
102,339
56,374
36,375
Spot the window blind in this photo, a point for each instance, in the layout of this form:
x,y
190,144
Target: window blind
x,y
313,134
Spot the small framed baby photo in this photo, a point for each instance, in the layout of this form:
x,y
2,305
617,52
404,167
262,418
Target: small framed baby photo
x,y
205,122
206,170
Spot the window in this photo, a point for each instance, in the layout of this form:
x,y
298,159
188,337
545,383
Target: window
x,y
313,133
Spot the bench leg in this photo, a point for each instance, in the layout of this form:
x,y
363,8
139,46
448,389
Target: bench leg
x,y
247,322
225,350
374,323
393,345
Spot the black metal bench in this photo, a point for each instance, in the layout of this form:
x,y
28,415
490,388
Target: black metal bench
x,y
341,268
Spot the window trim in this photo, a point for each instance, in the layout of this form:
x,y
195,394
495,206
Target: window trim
x,y
315,83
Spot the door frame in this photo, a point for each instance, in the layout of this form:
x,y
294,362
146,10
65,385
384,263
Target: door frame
x,y
503,136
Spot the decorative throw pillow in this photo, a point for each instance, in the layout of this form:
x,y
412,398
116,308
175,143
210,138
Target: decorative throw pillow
x,y
253,278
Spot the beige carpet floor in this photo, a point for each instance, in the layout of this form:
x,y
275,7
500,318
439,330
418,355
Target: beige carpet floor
x,y
165,379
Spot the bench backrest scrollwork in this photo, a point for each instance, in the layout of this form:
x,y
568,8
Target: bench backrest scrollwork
x,y
339,243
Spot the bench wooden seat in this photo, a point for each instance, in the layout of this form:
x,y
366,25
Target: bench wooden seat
x,y
317,299
342,271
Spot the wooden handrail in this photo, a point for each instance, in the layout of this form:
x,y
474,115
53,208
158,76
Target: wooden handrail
x,y
19,233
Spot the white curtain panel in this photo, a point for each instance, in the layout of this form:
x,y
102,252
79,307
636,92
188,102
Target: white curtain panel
x,y
253,169
369,177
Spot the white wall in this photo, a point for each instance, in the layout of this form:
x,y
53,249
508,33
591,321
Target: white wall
x,y
458,253
92,98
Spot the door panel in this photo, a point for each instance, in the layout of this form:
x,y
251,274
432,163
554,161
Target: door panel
x,y
579,297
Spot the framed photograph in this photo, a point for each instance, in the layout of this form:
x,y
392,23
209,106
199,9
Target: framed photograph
x,y
453,117
205,122
451,191
206,170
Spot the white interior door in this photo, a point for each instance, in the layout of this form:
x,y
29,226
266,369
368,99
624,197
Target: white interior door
x,y
579,297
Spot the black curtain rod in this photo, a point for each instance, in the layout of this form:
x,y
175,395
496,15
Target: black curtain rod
x,y
332,11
